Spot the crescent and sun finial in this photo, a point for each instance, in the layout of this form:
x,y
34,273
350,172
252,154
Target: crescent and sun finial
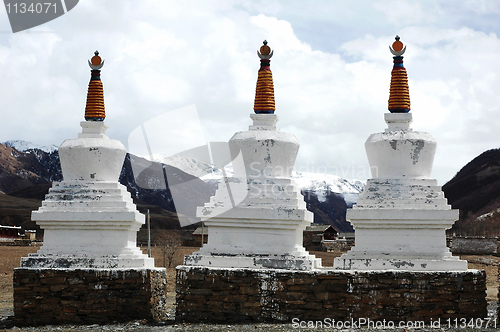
x,y
265,52
96,62
397,48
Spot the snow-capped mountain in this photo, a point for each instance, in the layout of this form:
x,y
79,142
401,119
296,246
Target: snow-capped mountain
x,y
320,183
323,184
188,165
22,146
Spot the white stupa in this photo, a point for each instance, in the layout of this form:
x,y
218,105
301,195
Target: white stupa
x,y
89,219
401,217
256,218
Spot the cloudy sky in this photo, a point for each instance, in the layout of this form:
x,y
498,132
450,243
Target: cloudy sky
x,y
331,69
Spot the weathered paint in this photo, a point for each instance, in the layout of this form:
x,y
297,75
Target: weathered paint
x,y
400,152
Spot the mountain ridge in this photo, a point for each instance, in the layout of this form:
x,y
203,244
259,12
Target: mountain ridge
x,y
23,146
475,191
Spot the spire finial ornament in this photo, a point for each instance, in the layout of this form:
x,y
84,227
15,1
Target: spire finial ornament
x,y
265,52
94,109
399,96
397,47
264,92
96,62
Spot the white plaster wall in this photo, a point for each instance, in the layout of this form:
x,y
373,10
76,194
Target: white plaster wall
x,y
401,154
92,156
265,154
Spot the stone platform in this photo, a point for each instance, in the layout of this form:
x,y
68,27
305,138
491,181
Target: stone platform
x,y
253,295
88,296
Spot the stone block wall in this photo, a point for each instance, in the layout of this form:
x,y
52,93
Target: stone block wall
x,y
474,245
337,245
244,295
57,296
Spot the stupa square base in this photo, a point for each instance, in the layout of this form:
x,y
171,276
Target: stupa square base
x,y
223,295
400,239
131,259
350,262
88,296
251,235
239,242
300,261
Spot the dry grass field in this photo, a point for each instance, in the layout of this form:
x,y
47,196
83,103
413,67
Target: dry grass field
x,y
10,257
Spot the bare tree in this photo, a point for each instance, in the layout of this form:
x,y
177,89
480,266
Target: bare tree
x,y
169,243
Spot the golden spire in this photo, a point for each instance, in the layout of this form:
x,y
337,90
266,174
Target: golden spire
x,y
264,92
94,110
399,95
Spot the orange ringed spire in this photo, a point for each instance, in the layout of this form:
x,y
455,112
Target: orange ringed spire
x,y
264,92
399,95
94,109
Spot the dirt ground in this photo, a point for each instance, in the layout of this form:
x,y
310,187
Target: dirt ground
x,y
490,265
10,258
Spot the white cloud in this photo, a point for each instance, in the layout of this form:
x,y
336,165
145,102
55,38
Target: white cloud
x,y
408,12
163,55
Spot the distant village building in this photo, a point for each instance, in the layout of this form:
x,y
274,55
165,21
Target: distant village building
x,y
30,234
15,235
198,234
343,243
316,235
10,233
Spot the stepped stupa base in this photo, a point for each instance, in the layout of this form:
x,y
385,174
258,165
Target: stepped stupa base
x,y
88,224
256,220
258,233
401,225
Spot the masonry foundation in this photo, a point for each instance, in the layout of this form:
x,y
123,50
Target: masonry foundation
x,y
88,296
242,295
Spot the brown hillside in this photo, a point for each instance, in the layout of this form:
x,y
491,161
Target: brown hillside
x,y
17,170
475,191
25,180
16,211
